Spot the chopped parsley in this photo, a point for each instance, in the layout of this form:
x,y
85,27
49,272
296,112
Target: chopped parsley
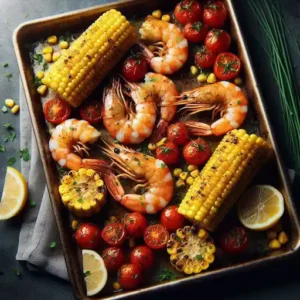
x,y
37,82
2,148
25,154
163,165
52,245
10,137
166,275
17,271
38,58
45,66
11,161
80,200
199,257
87,273
32,203
9,76
5,65
9,126
4,109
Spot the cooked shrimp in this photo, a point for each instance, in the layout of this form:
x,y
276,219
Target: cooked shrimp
x,y
222,97
152,174
164,93
123,123
71,136
170,48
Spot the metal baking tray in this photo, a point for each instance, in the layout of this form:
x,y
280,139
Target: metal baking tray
x,y
32,31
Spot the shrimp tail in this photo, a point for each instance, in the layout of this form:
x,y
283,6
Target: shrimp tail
x,y
198,128
160,131
98,165
146,52
114,186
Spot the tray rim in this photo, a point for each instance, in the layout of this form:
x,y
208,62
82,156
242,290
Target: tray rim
x,y
281,168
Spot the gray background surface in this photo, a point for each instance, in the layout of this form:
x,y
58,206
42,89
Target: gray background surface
x,y
279,281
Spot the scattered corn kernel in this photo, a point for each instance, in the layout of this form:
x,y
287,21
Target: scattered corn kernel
x,y
63,45
180,183
131,242
40,74
161,142
91,172
238,81
74,224
9,102
166,18
47,50
42,89
202,78
283,238
194,70
271,234
99,183
52,39
274,244
211,78
151,146
116,286
195,173
157,14
190,180
183,175
48,57
112,219
55,56
177,172
15,109
192,168
203,233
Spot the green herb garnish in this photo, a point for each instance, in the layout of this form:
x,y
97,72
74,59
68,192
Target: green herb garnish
x,y
163,165
9,126
38,58
2,148
199,257
80,200
17,271
4,109
5,65
11,161
87,273
166,275
9,76
45,66
10,137
37,82
52,245
32,203
25,154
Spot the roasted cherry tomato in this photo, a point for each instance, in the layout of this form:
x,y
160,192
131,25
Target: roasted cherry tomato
x,y
168,153
227,66
196,152
195,32
91,111
129,276
88,236
156,236
217,40
234,240
171,218
135,67
205,58
188,11
143,257
135,224
114,234
178,134
214,14
56,111
113,258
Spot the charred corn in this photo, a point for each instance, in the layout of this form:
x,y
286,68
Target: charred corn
x,y
89,59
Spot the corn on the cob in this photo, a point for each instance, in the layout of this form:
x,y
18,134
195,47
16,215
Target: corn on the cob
x,y
82,192
233,164
89,59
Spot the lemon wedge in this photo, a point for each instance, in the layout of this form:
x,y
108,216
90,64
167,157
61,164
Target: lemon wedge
x,y
260,207
15,193
94,271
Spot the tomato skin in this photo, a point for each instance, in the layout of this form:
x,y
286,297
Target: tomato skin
x,y
91,111
135,224
178,134
114,234
196,152
129,276
56,111
215,14
168,153
143,257
195,32
227,66
135,67
88,236
171,218
235,240
205,58
217,40
113,258
156,236
188,11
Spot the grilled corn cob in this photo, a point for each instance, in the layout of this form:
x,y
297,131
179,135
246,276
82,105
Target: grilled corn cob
x,y
82,192
191,250
231,167
84,65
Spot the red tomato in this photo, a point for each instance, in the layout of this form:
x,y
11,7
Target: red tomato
x,y
214,14
171,218
196,152
113,258
188,11
114,234
156,236
56,111
135,224
195,32
234,241
129,276
168,153
178,134
217,40
88,236
227,66
143,257
135,67
205,58
91,111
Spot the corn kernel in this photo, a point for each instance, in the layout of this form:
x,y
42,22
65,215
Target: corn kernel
x,y
151,146
52,39
157,14
47,50
112,219
116,286
203,234
194,70
187,270
183,175
195,173
161,142
82,171
209,258
15,109
74,224
192,168
63,45
91,172
40,75
211,78
238,81
180,183
55,56
177,172
172,251
202,78
42,89
204,265
211,248
283,238
9,102
99,183
48,57
274,244
179,233
190,180
63,189
271,234
99,196
166,18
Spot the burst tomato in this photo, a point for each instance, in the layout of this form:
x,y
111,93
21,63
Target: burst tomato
x,y
143,257
215,14
129,276
156,236
91,111
171,218
227,66
135,224
113,258
56,111
205,58
217,40
88,236
188,11
114,234
135,67
196,152
178,134
168,153
195,32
